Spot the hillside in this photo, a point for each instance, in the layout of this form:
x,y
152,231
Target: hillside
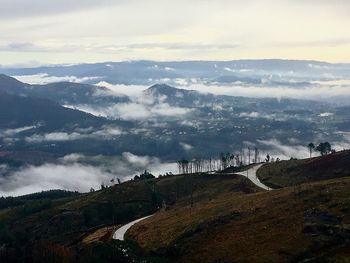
x,y
11,85
292,172
53,224
194,216
309,223
64,93
20,111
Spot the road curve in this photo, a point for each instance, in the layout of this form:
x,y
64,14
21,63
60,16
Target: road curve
x,y
251,175
120,232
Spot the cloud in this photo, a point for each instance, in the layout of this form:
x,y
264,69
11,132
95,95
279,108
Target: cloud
x,y
186,146
282,151
152,164
54,136
316,90
255,115
266,30
343,142
74,177
321,91
131,111
12,132
21,47
77,172
250,114
21,8
73,157
139,161
104,133
141,107
44,78
326,114
165,109
277,149
176,46
129,90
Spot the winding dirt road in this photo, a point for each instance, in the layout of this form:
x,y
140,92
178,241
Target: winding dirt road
x,y
251,175
120,232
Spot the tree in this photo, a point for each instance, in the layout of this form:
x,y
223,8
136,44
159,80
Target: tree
x,y
311,147
248,155
179,166
256,155
324,148
232,158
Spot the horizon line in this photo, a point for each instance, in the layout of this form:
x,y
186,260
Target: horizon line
x,y
39,65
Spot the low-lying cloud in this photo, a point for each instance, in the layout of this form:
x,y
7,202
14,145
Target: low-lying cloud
x,y
77,172
129,90
105,132
277,149
12,132
314,90
322,91
133,110
73,177
44,78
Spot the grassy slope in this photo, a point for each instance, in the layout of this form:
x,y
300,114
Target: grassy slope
x,y
280,226
229,216
287,173
67,222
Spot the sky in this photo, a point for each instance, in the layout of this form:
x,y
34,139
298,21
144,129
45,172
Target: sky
x,y
36,32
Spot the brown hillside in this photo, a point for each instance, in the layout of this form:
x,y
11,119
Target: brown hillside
x,y
287,173
289,225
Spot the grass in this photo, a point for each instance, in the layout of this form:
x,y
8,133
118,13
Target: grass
x,y
101,234
200,218
258,227
293,172
65,223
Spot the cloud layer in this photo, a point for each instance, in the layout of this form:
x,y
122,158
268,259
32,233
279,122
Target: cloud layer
x,y
76,172
46,177
62,31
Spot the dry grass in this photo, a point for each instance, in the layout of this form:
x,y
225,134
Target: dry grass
x,y
102,234
293,172
260,227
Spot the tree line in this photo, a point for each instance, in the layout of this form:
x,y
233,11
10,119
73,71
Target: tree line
x,y
225,160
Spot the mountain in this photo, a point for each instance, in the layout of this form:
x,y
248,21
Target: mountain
x,y
64,93
276,71
11,85
19,111
190,98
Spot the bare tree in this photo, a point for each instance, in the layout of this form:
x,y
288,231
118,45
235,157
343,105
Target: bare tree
x,y
248,155
311,147
256,155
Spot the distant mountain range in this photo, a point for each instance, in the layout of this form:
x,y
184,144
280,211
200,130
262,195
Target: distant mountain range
x,y
61,92
19,111
258,72
161,121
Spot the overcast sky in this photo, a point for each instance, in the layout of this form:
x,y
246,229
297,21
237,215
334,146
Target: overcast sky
x,y
66,31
